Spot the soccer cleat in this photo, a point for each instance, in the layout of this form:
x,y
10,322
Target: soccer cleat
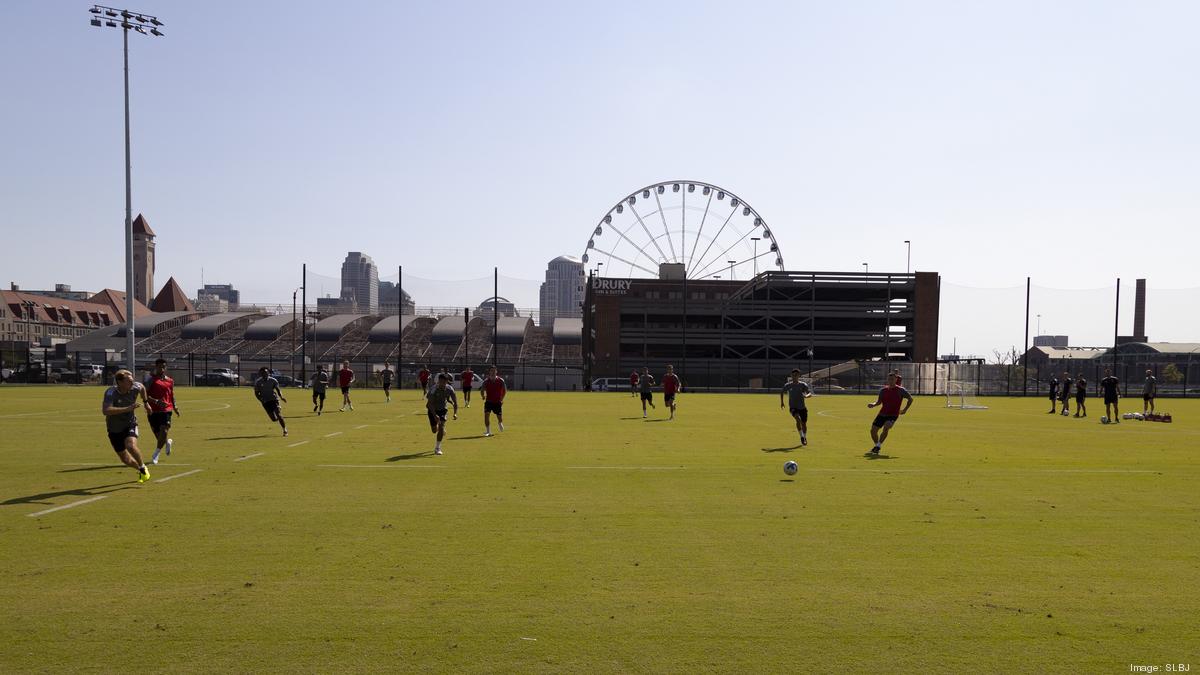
x,y
169,444
502,426
154,459
803,441
143,475
285,432
314,408
875,450
437,451
351,408
487,432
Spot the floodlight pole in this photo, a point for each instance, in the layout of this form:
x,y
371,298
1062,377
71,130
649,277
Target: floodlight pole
x,y
908,257
126,17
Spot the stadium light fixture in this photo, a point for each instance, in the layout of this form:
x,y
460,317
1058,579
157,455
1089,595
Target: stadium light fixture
x,y
908,261
125,15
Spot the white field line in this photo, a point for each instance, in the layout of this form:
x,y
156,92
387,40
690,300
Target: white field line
x,y
873,470
75,412
336,433
89,500
293,445
362,426
1098,471
379,466
178,475
246,457
633,468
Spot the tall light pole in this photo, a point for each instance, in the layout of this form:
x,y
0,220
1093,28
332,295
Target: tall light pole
x,y
866,271
731,262
126,21
755,240
908,257
1039,317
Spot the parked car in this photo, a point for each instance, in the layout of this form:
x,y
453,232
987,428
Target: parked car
x,y
219,377
285,380
91,371
63,376
476,381
610,384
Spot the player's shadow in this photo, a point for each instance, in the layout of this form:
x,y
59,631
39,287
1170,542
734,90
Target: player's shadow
x,y
415,455
235,438
77,492
788,449
106,467
660,419
872,456
632,418
465,438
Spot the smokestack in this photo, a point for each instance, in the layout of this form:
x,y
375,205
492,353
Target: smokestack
x,y
1139,311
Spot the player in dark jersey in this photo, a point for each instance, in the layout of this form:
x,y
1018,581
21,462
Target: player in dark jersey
x,y
1053,395
1081,397
435,407
889,397
796,391
1149,393
1064,395
468,381
385,376
671,386
1110,387
120,417
160,394
645,384
494,391
266,390
633,383
320,380
423,378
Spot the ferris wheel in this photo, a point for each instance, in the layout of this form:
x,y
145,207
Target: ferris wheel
x,y
706,228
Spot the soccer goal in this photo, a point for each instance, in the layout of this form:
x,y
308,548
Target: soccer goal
x,y
961,395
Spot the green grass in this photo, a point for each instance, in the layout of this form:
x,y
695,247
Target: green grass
x,y
996,540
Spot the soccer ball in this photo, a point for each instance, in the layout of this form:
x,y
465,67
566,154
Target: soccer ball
x,y
790,468
1104,420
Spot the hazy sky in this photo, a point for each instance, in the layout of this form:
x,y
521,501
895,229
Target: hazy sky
x,y
1005,139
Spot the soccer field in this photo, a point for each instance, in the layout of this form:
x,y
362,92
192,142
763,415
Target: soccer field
x,y
586,539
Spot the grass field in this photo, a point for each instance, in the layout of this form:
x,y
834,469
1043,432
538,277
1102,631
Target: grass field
x,y
585,539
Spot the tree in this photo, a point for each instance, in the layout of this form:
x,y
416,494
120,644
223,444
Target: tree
x,y
1171,374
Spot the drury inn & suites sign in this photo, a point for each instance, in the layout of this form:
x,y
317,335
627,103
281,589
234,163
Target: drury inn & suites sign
x,y
611,286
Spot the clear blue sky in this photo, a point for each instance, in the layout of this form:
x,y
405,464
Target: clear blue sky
x,y
1056,140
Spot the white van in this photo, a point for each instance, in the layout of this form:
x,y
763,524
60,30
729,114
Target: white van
x,y
91,371
610,384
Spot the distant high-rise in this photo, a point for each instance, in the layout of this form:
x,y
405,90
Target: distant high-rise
x,y
360,275
143,260
225,292
562,292
389,299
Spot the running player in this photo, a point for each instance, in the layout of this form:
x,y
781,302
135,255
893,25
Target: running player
x,y
493,400
320,380
1149,393
120,417
345,379
671,385
1053,395
468,381
435,407
423,378
644,382
633,383
1064,395
796,392
889,397
160,394
386,376
1110,386
1081,397
266,390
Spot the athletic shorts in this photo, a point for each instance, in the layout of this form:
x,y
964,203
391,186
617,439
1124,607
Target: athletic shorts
x,y
1110,400
1147,397
272,408
345,390
466,388
117,439
160,420
496,408
387,385
1064,398
668,398
1080,398
318,395
648,396
435,416
1054,396
881,420
802,413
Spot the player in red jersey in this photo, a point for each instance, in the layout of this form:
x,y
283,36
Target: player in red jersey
x,y
633,383
160,394
889,397
345,379
493,400
423,378
671,385
468,381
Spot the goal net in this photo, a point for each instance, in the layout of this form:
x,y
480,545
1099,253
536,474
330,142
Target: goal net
x,y
962,395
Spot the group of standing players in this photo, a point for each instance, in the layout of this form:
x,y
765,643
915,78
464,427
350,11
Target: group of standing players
x,y
1110,389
